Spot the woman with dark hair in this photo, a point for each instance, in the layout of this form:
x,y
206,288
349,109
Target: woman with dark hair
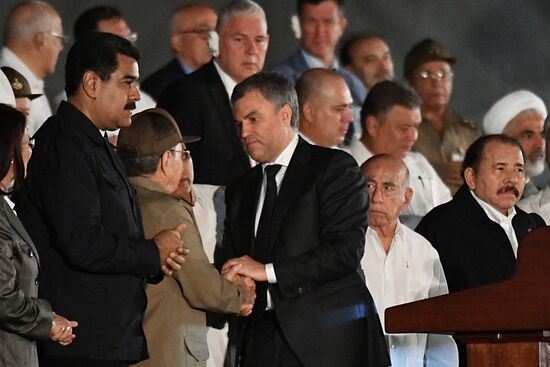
x,y
23,317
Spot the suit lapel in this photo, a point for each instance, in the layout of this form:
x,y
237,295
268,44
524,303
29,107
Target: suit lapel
x,y
225,112
17,225
250,195
290,188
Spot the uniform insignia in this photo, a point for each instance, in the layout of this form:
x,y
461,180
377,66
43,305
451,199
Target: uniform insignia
x,y
469,123
17,85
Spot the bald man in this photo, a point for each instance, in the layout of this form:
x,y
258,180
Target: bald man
x,y
190,26
394,260
325,107
33,39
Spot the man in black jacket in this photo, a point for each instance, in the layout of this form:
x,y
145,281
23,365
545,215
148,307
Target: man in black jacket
x,y
82,214
478,232
190,27
199,102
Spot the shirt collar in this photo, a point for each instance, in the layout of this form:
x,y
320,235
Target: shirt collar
x,y
186,69
10,203
314,62
284,158
494,214
10,59
227,81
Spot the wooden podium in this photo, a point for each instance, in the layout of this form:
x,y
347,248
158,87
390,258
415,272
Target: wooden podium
x,y
502,324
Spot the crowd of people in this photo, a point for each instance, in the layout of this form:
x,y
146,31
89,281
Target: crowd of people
x,y
219,214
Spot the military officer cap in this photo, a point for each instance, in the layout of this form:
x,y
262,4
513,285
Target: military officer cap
x,y
19,84
425,51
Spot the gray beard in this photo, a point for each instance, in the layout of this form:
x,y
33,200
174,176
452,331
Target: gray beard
x,y
534,168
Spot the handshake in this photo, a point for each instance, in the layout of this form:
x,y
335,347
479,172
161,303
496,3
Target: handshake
x,y
244,272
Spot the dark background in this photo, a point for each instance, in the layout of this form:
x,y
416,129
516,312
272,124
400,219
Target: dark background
x,y
500,45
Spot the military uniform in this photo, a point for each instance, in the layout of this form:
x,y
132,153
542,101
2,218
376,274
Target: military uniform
x,y
451,145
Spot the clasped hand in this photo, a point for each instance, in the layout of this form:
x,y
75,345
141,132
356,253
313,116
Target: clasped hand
x,y
171,250
62,330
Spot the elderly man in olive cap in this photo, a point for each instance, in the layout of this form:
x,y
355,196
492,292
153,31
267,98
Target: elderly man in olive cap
x,y
443,135
156,160
521,115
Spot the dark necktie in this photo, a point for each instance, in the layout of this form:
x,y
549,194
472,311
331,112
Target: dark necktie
x,y
260,250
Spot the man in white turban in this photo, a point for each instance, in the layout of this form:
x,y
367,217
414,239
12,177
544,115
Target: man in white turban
x,y
521,115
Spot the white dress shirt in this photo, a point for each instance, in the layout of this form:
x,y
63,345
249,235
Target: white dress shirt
x,y
429,190
283,159
207,222
538,203
505,221
40,107
410,271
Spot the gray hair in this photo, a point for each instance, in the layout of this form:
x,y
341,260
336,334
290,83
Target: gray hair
x,y
272,86
28,18
238,7
139,166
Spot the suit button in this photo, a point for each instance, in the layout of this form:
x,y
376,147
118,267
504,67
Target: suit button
x,y
300,290
31,254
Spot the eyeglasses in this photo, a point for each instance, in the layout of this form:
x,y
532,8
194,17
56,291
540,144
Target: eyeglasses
x,y
64,39
185,154
198,31
435,75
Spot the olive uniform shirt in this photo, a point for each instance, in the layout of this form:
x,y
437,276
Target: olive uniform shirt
x,y
459,133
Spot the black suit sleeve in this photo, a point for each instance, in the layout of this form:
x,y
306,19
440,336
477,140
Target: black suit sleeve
x,y
343,205
83,209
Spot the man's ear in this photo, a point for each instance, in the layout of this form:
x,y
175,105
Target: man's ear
x,y
469,178
308,111
39,39
164,161
286,113
407,199
90,84
372,126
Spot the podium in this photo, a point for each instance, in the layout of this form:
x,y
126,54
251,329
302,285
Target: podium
x,y
502,324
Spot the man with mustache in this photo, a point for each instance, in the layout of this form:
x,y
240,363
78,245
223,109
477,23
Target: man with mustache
x,y
82,214
478,232
521,115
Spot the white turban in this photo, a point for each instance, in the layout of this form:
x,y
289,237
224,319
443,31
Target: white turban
x,y
508,107
6,93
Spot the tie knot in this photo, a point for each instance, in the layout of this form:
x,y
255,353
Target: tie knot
x,y
271,170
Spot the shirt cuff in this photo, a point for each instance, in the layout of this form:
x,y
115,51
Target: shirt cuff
x,y
270,272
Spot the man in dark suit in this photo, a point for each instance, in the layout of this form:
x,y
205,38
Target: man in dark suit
x,y
478,232
200,103
190,26
299,231
82,214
